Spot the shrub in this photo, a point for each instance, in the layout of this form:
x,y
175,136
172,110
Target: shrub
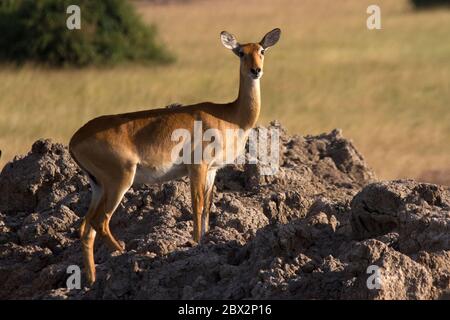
x,y
418,4
110,32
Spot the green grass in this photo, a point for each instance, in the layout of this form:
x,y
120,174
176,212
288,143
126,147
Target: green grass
x,y
389,90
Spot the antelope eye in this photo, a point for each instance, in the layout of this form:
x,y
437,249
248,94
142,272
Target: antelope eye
x,y
240,54
262,51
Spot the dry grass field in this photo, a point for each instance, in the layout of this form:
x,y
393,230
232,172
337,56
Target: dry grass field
x,y
389,89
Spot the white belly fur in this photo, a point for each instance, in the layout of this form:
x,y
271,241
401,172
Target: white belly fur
x,y
170,171
149,175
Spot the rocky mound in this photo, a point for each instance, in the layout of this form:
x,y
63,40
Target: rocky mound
x,y
321,228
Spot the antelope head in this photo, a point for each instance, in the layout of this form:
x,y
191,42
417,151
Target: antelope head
x,y
251,54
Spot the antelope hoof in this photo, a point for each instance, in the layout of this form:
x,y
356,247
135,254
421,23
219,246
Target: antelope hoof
x,y
90,278
117,245
121,246
197,238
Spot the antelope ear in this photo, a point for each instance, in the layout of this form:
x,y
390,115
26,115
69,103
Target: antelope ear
x,y
270,38
228,40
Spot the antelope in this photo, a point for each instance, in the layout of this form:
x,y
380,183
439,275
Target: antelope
x,y
118,151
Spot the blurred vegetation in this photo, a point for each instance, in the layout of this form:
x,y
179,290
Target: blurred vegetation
x,y
111,32
388,89
430,3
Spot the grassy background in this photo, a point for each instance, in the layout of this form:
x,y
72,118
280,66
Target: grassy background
x,y
389,89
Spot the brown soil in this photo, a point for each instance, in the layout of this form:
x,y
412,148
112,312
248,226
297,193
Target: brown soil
x,y
309,232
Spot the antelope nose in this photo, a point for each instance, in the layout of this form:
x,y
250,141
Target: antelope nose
x,y
255,71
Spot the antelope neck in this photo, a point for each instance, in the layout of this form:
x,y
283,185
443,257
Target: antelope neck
x,y
248,102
